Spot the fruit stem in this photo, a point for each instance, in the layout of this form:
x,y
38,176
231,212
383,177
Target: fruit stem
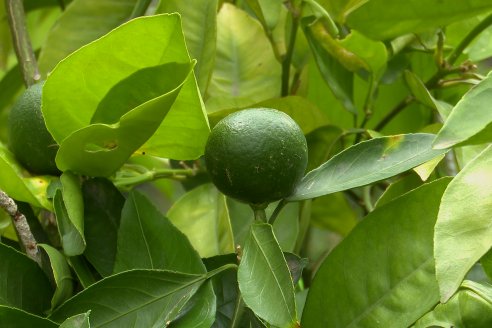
x,y
259,211
28,242
21,41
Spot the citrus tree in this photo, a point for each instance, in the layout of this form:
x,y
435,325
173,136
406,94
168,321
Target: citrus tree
x,y
248,163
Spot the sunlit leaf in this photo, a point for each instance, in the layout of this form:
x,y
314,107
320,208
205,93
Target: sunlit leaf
x,y
376,277
367,162
77,321
463,233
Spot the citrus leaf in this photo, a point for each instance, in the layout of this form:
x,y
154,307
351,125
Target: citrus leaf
x,y
201,214
77,321
82,22
61,275
22,283
200,310
69,209
262,257
367,162
137,298
471,306
19,185
463,233
148,240
200,30
17,318
137,50
246,71
101,149
469,117
387,255
381,20
102,211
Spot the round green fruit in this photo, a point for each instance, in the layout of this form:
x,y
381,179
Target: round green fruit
x,y
256,155
29,140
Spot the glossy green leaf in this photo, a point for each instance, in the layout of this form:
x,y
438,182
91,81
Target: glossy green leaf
x,y
398,188
86,275
22,283
470,307
183,132
245,71
382,273
463,233
101,149
16,318
18,184
381,20
69,210
200,310
201,214
148,240
137,298
61,275
77,321
337,77
262,257
102,211
83,21
469,117
333,212
200,30
367,162
340,9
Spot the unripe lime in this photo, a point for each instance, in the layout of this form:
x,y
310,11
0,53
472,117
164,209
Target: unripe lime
x,y
29,140
256,155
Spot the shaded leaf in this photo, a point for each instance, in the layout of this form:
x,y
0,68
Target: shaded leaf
x,y
82,22
398,188
86,275
387,255
471,306
367,162
200,310
262,257
17,318
61,275
322,144
246,71
201,214
23,284
148,240
463,233
144,298
381,20
334,213
102,211
470,117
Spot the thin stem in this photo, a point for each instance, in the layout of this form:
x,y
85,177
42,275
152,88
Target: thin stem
x,y
176,174
28,242
468,39
277,210
304,221
259,211
21,41
140,8
287,60
366,197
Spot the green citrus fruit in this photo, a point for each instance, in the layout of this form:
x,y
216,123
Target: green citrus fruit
x,y
29,140
256,155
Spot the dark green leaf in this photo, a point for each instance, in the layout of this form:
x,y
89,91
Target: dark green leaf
x,y
470,117
463,233
137,298
381,19
376,277
85,273
148,240
83,21
264,279
367,162
22,283
16,318
199,312
201,214
60,271
470,307
77,321
102,211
